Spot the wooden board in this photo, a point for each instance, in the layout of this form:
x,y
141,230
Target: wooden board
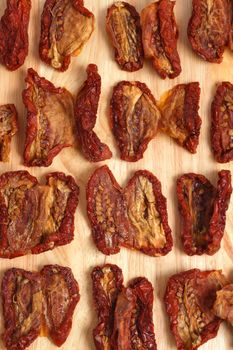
x,y
163,157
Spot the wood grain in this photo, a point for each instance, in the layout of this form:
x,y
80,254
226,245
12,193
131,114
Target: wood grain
x,y
163,157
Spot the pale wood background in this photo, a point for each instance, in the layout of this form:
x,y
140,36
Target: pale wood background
x,y
163,157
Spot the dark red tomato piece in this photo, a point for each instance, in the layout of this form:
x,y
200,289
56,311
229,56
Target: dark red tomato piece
x,y
106,211
35,218
14,33
107,283
38,304
209,27
222,123
135,217
203,210
134,118
180,118
8,128
124,29
48,108
86,107
159,37
223,304
22,300
61,293
142,326
189,300
66,26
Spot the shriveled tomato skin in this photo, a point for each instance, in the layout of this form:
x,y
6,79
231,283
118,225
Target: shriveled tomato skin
x,y
107,283
86,107
142,332
134,217
223,304
159,37
14,33
47,34
127,40
13,337
34,302
134,123
189,299
104,182
160,203
52,206
209,28
59,332
8,128
44,137
180,117
222,123
203,225
125,317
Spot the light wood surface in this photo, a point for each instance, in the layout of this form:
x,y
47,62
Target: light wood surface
x,y
163,157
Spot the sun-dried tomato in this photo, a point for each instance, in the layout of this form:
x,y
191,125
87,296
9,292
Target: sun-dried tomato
x,y
66,26
134,118
142,326
125,318
8,128
107,284
22,300
189,299
86,107
35,218
208,29
223,304
203,210
48,108
61,293
37,304
14,33
222,123
135,217
123,27
159,37
180,118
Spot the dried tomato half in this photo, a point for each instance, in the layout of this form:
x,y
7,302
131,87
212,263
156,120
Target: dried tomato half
x,y
123,316
125,319
35,218
106,211
37,304
222,123
86,107
107,284
203,211
147,213
189,299
48,108
14,33
134,118
159,37
223,304
61,293
123,27
22,300
66,26
209,27
180,118
142,326
135,217
8,128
